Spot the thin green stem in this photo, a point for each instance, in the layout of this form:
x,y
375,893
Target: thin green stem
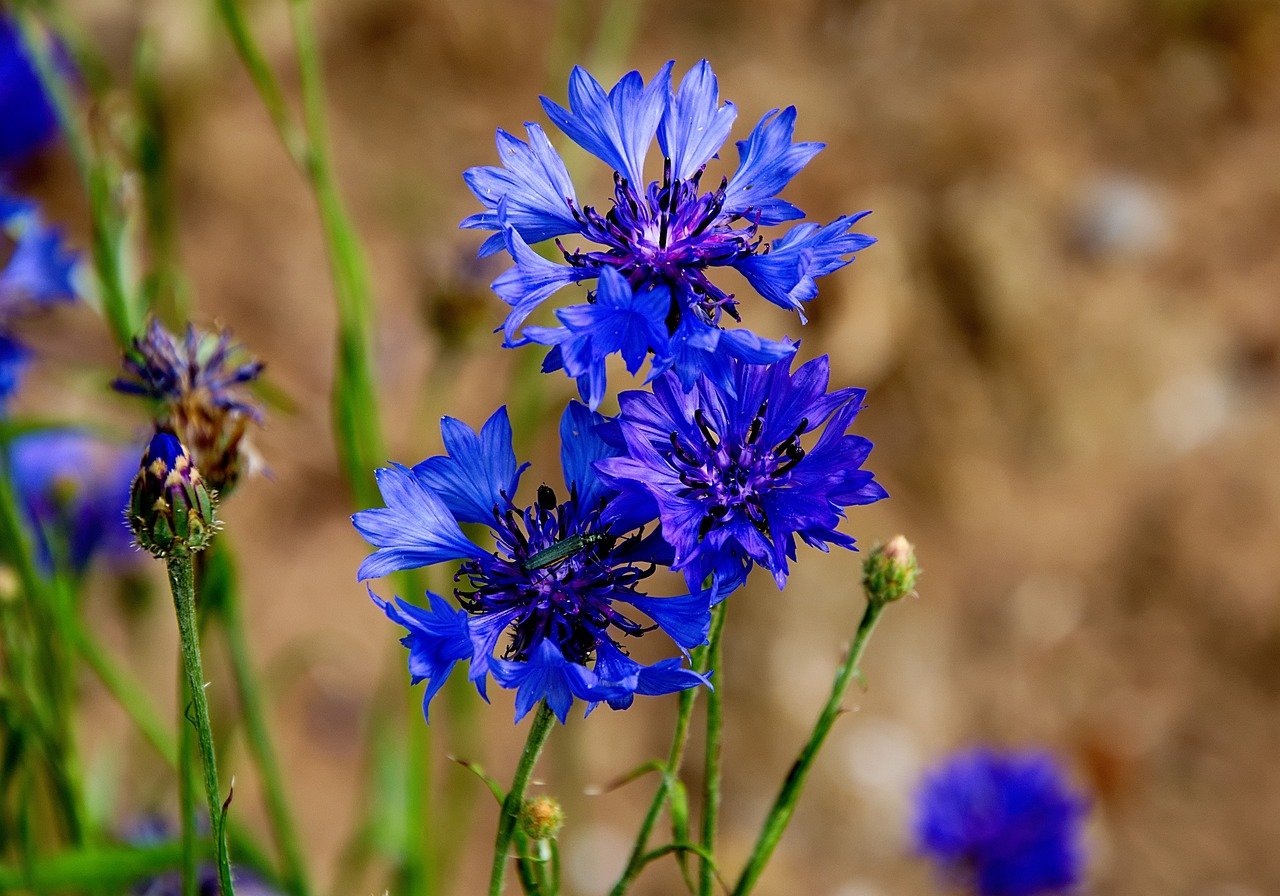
x,y
670,773
785,805
187,792
711,769
543,720
253,710
182,583
108,228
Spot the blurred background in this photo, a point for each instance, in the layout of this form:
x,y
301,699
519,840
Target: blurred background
x,y
1070,335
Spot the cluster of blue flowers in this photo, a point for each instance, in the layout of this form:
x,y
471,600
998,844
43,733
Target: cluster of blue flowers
x,y
728,459
70,484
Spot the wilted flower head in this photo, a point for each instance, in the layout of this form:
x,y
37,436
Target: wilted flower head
x,y
653,252
74,488
730,473
1002,824
36,271
198,383
28,116
560,585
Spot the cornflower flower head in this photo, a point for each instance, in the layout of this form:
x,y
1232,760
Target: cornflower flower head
x,y
560,586
73,489
728,473
1002,824
653,252
198,384
28,116
36,270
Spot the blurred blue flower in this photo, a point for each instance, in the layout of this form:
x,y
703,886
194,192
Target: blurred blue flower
x,y
154,830
661,238
1002,824
74,489
36,270
560,584
726,473
28,116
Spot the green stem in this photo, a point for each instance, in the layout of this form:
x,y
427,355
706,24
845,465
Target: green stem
x,y
187,793
711,770
670,773
108,230
182,582
785,804
259,737
543,719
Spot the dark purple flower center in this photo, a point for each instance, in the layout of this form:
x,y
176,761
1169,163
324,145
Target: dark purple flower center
x,y
729,475
668,235
557,572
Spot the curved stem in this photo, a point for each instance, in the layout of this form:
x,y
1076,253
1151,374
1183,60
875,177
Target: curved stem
x,y
785,805
538,734
182,583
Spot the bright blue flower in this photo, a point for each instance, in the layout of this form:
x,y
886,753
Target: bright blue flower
x,y
559,584
74,489
35,267
28,116
662,238
727,473
1002,824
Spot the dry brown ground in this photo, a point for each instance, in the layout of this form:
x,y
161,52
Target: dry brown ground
x,y
1071,339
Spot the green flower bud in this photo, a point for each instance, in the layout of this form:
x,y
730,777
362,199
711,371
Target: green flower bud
x,y
541,818
890,571
171,510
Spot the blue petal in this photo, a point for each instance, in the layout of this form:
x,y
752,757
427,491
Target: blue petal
x,y
535,185
616,128
580,447
768,161
530,283
685,619
28,116
437,640
14,361
479,473
40,270
785,275
695,125
546,675
415,528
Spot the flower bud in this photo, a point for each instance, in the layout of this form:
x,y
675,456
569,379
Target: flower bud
x,y
890,572
171,510
541,818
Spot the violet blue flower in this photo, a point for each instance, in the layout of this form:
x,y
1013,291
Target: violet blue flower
x,y
1002,824
546,611
28,116
654,250
728,473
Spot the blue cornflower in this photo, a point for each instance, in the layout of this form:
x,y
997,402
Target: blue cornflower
x,y
1002,824
199,384
36,270
560,584
156,831
662,237
727,473
74,488
28,116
